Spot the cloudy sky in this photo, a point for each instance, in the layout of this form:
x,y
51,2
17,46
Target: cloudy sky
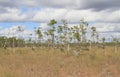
x,y
104,14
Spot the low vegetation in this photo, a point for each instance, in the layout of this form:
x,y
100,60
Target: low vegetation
x,y
46,62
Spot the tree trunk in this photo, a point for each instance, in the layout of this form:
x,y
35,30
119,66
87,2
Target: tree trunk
x,y
90,45
13,45
68,48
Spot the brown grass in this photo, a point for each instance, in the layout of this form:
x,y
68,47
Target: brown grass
x,y
46,62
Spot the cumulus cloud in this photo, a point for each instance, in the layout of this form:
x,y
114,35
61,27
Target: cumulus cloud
x,y
104,30
13,15
44,26
64,9
51,3
76,15
13,31
107,30
76,4
104,13
47,14
107,27
98,5
8,3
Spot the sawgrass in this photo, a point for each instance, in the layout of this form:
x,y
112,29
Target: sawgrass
x,y
48,62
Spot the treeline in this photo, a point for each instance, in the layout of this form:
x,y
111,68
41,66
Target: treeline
x,y
11,42
62,35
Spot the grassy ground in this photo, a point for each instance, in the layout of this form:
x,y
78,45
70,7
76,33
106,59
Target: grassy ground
x,y
46,62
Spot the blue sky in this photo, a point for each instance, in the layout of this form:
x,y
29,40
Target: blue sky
x,y
28,25
103,14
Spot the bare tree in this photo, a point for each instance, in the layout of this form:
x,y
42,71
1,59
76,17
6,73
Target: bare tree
x,y
83,30
94,36
20,29
65,33
40,36
115,42
52,30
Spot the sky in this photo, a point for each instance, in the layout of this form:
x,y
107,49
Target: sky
x,y
103,14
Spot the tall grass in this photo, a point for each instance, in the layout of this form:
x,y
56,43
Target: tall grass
x,y
46,62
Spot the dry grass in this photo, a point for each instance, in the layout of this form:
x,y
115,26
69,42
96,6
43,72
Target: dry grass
x,y
45,62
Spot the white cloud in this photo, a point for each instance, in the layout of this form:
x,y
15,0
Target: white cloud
x,y
13,15
51,3
107,16
107,27
44,26
76,15
13,31
105,30
104,13
45,15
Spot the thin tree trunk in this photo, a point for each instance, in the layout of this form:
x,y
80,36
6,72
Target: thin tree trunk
x,y
13,45
4,46
68,48
90,45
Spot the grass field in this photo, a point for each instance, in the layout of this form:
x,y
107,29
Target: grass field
x,y
46,62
